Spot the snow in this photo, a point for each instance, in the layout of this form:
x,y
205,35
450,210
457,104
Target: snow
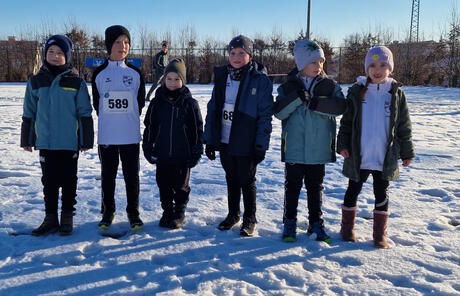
x,y
423,229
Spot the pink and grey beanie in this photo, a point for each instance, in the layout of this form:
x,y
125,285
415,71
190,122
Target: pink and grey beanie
x,y
379,54
306,52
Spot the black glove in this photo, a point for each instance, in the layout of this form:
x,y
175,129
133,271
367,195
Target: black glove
x,y
258,156
303,95
148,154
324,88
210,151
313,103
192,162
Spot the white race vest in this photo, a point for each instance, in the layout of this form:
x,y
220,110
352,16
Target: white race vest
x,y
231,91
118,119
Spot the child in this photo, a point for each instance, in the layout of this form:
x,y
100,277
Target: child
x,y
57,121
173,140
374,132
238,125
118,98
307,104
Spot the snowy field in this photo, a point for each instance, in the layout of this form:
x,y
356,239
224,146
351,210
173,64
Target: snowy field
x,y
424,257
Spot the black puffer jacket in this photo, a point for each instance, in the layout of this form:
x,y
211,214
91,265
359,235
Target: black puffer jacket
x,y
173,128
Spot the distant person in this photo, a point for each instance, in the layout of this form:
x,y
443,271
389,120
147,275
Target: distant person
x,y
161,61
159,64
238,125
173,140
57,121
307,104
374,133
118,98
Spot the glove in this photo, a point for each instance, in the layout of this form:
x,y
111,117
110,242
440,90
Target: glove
x,y
303,95
210,151
258,156
148,154
324,88
192,162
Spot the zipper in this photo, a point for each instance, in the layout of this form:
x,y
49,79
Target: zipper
x,y
187,141
170,131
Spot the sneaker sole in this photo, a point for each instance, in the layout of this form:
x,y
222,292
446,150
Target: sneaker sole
x,y
289,239
137,228
104,227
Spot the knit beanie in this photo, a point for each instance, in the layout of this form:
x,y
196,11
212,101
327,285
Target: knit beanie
x,y
64,43
112,33
243,42
379,54
306,52
177,65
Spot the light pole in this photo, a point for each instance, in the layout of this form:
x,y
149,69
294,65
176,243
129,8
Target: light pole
x,y
308,19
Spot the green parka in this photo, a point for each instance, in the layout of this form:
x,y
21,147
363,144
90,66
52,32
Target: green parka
x,y
399,140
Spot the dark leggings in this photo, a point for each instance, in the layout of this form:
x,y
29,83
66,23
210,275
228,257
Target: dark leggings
x,y
380,190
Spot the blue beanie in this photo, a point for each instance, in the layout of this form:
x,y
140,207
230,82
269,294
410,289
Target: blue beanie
x,y
64,43
379,54
306,52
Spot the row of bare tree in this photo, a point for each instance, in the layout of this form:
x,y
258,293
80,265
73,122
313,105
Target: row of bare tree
x,y
421,63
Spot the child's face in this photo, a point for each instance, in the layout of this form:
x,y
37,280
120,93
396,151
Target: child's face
x,y
313,69
173,81
238,58
378,72
55,56
120,48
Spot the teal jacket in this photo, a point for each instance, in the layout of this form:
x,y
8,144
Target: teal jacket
x,y
308,125
399,140
57,112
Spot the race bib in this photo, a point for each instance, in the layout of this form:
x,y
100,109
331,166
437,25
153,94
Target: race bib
x,y
227,114
118,102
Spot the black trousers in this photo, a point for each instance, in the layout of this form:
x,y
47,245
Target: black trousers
x,y
109,155
380,190
59,170
312,175
173,183
240,173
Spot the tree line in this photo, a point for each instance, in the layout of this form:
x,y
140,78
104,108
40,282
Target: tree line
x,y
420,63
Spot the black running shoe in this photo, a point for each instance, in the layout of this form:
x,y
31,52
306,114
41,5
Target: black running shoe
x,y
247,229
228,222
107,219
136,223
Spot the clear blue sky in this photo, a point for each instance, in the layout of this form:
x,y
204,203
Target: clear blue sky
x,y
331,19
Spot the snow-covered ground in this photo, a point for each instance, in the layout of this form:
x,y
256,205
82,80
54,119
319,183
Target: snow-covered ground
x,y
199,259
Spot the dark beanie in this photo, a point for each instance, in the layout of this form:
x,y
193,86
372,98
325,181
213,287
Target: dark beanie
x,y
241,41
177,65
64,44
112,33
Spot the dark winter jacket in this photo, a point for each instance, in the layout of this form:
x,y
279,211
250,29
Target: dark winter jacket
x,y
173,128
57,112
251,124
160,63
308,125
400,136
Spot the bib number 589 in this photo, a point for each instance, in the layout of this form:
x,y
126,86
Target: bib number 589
x,y
118,103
